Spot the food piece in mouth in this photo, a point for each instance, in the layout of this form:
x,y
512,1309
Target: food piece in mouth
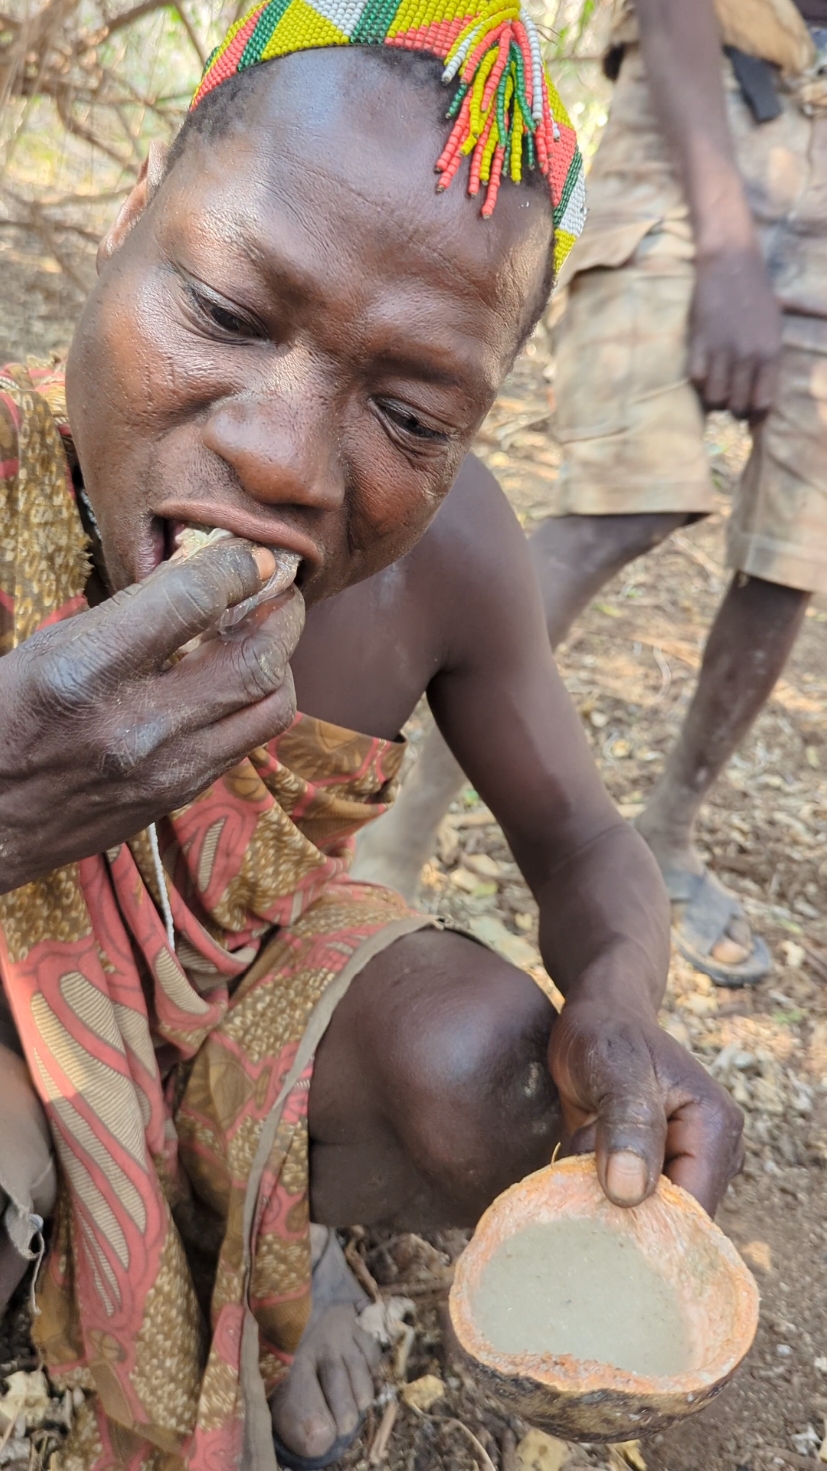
x,y
192,539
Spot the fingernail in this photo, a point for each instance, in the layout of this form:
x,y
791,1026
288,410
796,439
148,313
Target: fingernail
x,y
265,561
626,1177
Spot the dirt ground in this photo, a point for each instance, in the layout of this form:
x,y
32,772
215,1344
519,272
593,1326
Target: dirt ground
x,y
630,665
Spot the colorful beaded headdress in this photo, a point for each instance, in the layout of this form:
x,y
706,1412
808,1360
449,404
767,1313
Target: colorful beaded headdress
x,y
506,112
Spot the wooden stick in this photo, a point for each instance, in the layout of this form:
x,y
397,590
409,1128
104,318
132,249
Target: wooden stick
x,y
508,1450
360,1272
379,1448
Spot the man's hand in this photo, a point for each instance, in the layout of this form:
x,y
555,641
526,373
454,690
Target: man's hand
x,y
735,333
98,736
639,1100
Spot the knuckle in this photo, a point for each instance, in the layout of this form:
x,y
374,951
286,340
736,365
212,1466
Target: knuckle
x,y
259,666
58,682
193,601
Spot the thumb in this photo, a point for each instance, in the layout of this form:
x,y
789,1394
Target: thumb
x,y
630,1136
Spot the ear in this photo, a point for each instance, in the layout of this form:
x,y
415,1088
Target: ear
x,y
140,195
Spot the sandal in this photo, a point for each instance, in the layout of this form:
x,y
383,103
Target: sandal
x,y
702,910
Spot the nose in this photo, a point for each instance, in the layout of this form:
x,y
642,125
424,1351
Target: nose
x,y
280,439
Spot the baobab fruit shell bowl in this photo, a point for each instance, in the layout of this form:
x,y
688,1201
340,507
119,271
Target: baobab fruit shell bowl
x,y
583,1399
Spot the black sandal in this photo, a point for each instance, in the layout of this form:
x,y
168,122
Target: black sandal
x,y
704,909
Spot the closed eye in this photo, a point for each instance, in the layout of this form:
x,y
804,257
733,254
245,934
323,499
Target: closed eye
x,y
405,419
218,315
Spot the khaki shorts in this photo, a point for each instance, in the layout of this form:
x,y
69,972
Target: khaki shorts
x,y
629,421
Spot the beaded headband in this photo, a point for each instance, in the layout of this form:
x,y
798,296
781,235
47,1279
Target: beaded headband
x,y
506,112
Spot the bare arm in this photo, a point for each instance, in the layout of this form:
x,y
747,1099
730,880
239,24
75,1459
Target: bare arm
x,y
507,716
627,1089
735,334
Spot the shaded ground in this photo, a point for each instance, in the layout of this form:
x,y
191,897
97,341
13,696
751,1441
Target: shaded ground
x,y
630,666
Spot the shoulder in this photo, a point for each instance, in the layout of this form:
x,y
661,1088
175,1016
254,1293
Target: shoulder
x,y
474,566
476,516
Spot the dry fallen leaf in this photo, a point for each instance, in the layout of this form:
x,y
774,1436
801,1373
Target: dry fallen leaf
x,y
482,864
462,878
626,1453
420,1394
540,1452
447,844
758,1254
493,932
795,954
27,1395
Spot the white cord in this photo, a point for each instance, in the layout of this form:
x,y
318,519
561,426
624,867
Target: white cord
x,y
161,879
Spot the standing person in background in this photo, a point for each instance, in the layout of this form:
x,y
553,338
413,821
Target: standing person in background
x,y
700,283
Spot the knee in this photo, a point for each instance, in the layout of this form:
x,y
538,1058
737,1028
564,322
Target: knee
x,y
473,1102
598,546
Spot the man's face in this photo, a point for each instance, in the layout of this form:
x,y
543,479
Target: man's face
x,y
299,338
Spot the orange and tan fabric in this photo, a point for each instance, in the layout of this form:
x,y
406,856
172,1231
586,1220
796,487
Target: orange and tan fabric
x,y
176,1078
629,422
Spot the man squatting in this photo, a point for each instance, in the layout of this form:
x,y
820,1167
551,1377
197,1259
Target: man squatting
x,y
293,338
698,282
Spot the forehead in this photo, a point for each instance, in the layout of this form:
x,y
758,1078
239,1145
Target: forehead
x,y
325,182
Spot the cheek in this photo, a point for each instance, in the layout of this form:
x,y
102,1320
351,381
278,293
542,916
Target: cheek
x,y
395,501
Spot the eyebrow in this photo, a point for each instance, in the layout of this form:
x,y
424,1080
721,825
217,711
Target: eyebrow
x,y
466,375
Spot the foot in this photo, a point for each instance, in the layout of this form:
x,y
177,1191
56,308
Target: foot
x,y
734,942
321,1404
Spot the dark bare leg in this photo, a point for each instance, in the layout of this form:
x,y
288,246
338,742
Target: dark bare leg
x,y
431,1094
747,649
573,557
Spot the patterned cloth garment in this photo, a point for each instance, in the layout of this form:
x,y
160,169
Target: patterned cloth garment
x,y
175,1079
506,113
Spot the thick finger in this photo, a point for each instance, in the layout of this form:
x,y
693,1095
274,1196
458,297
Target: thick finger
x,y
717,385
742,386
147,623
226,674
704,1148
765,388
698,365
190,762
630,1134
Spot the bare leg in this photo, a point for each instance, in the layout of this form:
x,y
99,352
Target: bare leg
x,y
430,1095
573,557
747,649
